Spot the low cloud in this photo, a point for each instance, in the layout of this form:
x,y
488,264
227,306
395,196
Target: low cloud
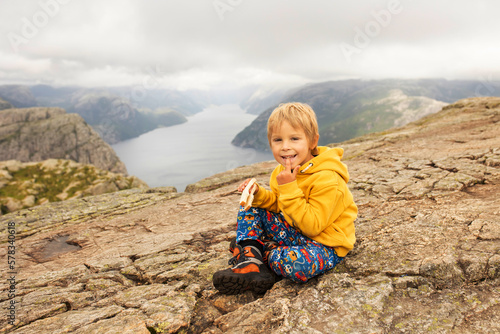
x,y
237,43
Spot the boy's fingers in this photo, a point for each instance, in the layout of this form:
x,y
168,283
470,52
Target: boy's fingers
x,y
296,170
288,165
243,185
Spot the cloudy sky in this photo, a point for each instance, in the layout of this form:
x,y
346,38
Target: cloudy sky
x,y
229,43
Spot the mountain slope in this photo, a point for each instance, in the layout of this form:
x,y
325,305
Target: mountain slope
x,y
19,96
5,105
110,112
115,119
261,99
350,108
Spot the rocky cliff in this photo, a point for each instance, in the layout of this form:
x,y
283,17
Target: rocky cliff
x,y
36,134
426,260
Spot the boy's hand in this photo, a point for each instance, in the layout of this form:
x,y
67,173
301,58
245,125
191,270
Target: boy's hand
x,y
253,190
250,187
288,175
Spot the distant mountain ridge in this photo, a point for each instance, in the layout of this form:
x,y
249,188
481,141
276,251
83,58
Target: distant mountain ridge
x,y
261,99
345,108
113,116
120,113
18,96
351,108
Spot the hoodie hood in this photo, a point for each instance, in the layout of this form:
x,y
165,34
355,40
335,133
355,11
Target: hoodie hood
x,y
327,159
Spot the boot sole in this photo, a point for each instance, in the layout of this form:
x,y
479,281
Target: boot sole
x,y
230,283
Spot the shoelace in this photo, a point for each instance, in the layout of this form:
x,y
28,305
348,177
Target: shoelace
x,y
238,258
270,245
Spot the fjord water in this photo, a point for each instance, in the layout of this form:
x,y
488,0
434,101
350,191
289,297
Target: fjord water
x,y
186,153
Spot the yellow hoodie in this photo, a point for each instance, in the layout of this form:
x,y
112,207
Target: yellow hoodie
x,y
318,203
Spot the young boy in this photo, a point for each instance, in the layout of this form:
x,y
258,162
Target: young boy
x,y
304,226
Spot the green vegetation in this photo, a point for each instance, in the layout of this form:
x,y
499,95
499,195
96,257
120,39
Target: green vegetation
x,y
48,183
30,184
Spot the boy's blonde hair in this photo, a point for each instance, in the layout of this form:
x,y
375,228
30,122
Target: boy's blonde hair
x,y
299,115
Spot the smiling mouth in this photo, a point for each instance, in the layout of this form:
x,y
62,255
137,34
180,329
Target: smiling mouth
x,y
288,156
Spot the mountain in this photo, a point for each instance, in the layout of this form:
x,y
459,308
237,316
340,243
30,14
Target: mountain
x,y
426,258
17,95
115,117
345,108
349,108
120,113
36,134
187,103
5,105
261,98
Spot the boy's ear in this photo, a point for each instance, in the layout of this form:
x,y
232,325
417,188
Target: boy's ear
x,y
315,141
314,145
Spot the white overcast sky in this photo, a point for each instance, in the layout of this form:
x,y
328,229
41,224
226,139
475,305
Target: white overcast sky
x,y
204,44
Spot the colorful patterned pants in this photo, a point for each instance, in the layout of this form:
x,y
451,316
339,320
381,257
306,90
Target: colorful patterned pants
x,y
297,257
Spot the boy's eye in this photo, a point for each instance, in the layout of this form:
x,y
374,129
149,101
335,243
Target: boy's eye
x,y
276,139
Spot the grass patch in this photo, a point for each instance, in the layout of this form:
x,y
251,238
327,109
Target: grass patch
x,y
48,183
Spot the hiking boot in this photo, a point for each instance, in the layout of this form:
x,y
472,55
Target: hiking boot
x,y
248,272
269,245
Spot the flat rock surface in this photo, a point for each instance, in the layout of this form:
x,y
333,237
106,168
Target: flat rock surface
x,y
426,260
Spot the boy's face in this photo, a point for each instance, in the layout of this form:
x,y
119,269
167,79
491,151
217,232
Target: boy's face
x,y
288,143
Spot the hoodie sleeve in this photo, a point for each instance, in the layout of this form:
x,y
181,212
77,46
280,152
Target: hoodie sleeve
x,y
313,214
266,199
